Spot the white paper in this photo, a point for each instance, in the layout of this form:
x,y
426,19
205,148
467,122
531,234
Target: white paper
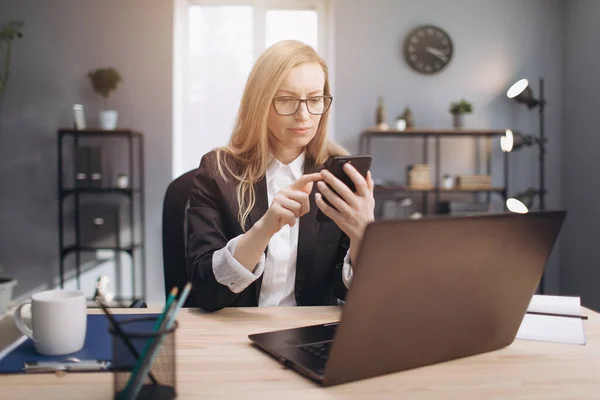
x,y
555,304
552,328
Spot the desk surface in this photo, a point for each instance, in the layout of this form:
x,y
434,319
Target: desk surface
x,y
215,359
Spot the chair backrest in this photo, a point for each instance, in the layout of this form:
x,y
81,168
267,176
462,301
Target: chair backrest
x,y
173,232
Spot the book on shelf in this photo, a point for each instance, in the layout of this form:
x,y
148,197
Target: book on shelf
x,y
473,181
419,176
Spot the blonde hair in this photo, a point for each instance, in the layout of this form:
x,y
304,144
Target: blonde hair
x,y
249,143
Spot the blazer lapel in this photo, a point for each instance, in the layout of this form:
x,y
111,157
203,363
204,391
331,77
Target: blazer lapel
x,y
307,233
261,204
260,208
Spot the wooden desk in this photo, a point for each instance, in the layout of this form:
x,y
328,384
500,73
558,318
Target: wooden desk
x,y
215,360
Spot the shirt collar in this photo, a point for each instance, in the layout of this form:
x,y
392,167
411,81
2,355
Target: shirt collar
x,y
296,166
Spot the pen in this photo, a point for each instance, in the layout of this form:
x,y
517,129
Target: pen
x,y
557,315
52,366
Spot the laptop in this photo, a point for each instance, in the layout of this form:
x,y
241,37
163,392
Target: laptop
x,y
423,292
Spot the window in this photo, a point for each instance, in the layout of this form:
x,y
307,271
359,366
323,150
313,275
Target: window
x,y
297,24
216,44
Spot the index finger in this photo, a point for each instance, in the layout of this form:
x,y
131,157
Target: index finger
x,y
359,181
304,180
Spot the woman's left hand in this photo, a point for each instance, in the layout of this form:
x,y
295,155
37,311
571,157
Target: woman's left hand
x,y
353,211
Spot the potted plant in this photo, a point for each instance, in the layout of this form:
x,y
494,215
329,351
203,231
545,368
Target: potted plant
x,y
458,109
104,81
407,116
8,33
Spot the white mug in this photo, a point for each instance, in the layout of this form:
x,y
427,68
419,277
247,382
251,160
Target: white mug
x,y
58,319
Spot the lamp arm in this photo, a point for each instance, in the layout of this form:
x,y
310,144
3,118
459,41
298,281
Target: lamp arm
x,y
542,145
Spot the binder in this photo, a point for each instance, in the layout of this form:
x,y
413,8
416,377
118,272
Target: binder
x,y
97,346
96,167
82,167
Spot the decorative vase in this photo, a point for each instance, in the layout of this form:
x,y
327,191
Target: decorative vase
x,y
380,115
458,120
122,181
448,182
108,119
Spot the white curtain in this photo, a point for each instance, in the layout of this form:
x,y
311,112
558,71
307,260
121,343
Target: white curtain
x,y
216,44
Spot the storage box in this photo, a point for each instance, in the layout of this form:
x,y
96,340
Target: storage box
x,y
99,226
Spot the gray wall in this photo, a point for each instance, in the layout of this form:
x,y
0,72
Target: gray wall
x,y
580,145
64,39
495,43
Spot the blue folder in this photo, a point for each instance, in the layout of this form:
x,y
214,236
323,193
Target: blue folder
x,y
97,346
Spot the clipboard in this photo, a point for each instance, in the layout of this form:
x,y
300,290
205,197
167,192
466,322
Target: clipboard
x,y
97,345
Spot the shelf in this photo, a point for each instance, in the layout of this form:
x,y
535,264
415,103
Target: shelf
x,y
73,248
424,132
99,132
128,192
82,191
400,188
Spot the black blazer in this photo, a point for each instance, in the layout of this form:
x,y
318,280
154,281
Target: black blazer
x,y
212,222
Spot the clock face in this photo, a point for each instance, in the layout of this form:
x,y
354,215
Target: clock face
x,y
428,49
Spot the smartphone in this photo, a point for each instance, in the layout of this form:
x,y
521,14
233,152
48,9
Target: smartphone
x,y
335,165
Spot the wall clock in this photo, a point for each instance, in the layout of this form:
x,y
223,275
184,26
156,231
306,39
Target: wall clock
x,y
428,49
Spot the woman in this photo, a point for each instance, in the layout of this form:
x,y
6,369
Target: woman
x,y
252,235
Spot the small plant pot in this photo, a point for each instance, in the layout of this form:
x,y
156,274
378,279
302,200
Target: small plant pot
x,y
6,291
458,120
108,119
400,124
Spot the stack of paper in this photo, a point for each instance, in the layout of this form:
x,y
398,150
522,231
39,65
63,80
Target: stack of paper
x,y
553,328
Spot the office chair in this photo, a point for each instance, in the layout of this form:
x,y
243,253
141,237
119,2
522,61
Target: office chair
x,y
138,303
173,233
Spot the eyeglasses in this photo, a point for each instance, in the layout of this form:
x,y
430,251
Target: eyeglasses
x,y
288,105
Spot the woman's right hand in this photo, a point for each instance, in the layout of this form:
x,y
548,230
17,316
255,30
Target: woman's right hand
x,y
288,205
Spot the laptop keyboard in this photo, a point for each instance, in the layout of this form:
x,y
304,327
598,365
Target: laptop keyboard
x,y
318,349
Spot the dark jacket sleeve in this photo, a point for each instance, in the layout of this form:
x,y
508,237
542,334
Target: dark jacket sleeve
x,y
206,234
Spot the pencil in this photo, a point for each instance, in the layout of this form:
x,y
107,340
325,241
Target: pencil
x,y
170,299
117,327
184,294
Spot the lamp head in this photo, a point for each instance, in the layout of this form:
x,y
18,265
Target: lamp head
x,y
522,202
521,92
511,141
516,206
507,141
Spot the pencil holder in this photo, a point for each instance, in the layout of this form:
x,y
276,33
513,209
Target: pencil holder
x,y
139,334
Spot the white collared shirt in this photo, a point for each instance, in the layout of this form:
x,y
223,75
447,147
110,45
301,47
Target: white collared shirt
x,y
278,268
